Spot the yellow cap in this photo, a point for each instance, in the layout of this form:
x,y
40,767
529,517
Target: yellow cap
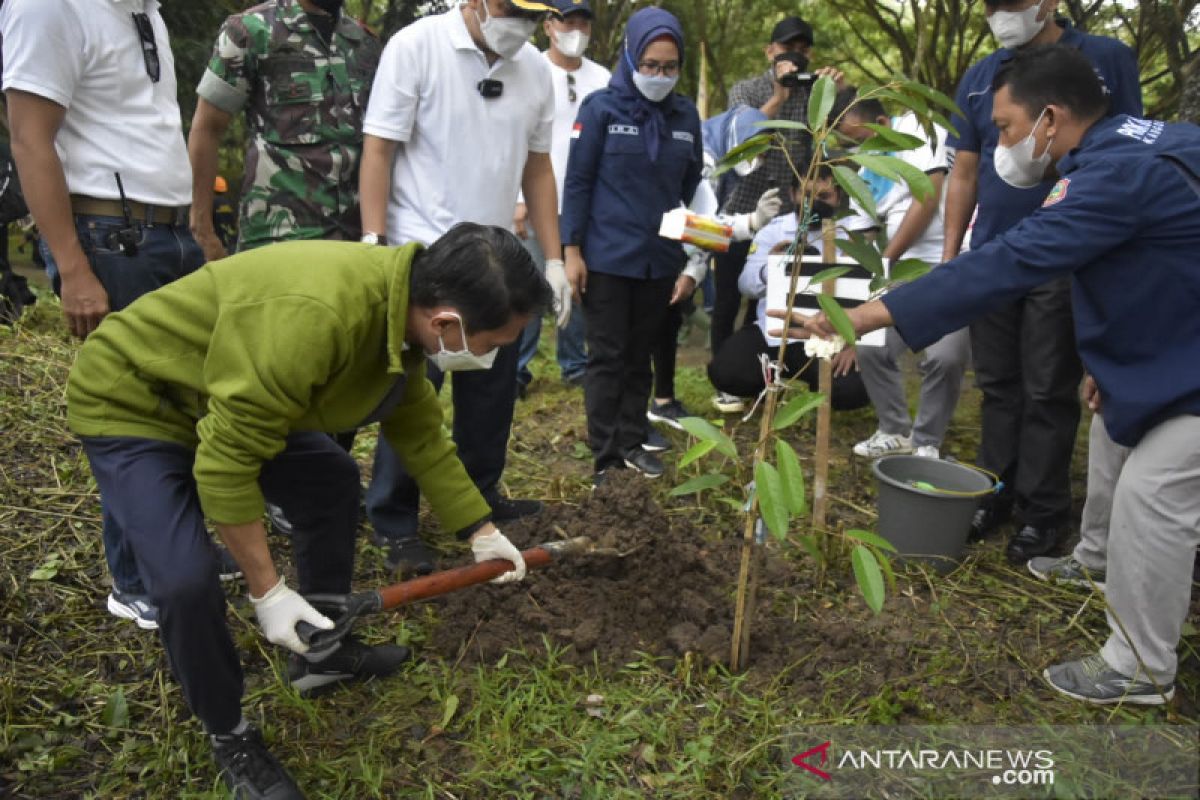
x,y
531,5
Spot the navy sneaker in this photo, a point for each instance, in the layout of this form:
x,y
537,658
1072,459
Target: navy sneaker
x,y
350,661
668,413
655,442
136,607
1092,680
249,769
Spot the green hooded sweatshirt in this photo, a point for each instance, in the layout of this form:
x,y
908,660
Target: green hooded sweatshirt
x,y
298,336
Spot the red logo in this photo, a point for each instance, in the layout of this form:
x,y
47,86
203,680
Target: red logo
x,y
801,760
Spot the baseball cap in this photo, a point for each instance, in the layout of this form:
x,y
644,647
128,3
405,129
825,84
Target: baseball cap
x,y
790,28
564,7
532,5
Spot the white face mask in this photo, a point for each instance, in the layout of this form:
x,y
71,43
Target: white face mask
x,y
744,168
654,87
505,36
1016,28
461,360
571,44
1018,166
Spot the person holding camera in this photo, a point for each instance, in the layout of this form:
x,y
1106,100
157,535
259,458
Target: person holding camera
x,y
460,118
98,143
781,92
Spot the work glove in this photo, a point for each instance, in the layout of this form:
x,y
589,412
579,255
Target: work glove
x,y
556,275
278,612
767,209
496,545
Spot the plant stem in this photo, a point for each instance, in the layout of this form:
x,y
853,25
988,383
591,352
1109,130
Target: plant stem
x,y
824,416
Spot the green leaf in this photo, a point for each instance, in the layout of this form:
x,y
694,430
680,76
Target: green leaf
x,y
703,429
792,475
897,140
868,577
873,539
910,102
837,317
700,484
898,170
116,710
772,504
828,275
932,95
880,165
908,269
796,408
450,710
752,147
856,187
699,450
48,570
941,120
820,101
862,251
781,124
809,543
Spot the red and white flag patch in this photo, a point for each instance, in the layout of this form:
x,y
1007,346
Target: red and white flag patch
x,y
577,130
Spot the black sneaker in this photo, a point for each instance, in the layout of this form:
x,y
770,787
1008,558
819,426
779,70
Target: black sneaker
x,y
249,769
229,569
668,413
655,441
506,509
352,660
648,464
279,523
410,556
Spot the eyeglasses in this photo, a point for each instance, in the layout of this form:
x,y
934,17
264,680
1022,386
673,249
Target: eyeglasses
x,y
571,95
666,68
149,47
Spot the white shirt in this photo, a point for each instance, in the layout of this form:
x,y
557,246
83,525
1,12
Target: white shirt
x,y
85,55
588,78
894,205
461,156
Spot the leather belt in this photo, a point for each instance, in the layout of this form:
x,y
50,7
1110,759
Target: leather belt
x,y
138,212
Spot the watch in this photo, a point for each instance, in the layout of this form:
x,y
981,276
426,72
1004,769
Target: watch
x,y
373,238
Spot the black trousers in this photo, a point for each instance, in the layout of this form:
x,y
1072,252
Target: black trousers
x,y
483,412
737,370
624,322
665,351
149,489
1028,370
727,268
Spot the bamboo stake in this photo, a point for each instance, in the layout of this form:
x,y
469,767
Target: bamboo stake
x,y
825,412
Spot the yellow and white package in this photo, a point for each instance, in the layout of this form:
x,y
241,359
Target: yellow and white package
x,y
691,228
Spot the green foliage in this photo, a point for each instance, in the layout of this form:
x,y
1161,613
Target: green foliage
x,y
791,476
820,101
868,576
838,318
699,484
772,502
797,408
703,429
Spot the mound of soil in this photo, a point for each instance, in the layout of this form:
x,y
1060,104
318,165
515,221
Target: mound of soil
x,y
671,595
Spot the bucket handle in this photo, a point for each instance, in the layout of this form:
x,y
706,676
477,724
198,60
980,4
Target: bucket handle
x,y
996,487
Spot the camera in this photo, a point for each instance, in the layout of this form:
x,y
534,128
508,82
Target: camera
x,y
794,80
489,88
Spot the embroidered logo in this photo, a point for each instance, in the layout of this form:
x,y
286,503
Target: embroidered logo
x,y
683,136
1058,193
624,130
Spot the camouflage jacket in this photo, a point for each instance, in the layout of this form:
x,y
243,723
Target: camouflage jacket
x,y
304,102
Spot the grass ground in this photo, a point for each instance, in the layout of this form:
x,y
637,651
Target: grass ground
x,y
88,707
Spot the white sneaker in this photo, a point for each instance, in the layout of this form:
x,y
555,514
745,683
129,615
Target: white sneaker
x,y
883,444
927,451
728,404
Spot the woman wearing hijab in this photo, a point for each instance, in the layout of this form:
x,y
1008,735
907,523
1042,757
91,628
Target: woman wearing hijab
x,y
636,153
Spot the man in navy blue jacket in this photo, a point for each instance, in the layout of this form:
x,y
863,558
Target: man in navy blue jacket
x,y
1123,223
1026,363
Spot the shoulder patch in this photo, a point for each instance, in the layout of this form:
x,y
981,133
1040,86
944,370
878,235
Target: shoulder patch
x,y
1058,193
577,130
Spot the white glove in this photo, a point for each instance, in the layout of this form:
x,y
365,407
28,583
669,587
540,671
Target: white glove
x,y
556,274
279,610
766,210
496,545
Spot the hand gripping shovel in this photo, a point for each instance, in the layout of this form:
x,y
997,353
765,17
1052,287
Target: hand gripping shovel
x,y
349,607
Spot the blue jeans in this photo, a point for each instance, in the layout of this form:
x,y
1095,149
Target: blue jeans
x,y
150,489
165,253
572,354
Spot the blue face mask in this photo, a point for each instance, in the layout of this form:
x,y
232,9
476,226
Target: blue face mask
x,y
654,88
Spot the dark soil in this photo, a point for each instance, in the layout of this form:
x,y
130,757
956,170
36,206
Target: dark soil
x,y
673,593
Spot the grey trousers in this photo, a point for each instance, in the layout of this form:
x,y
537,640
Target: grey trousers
x,y
1153,534
942,365
1105,460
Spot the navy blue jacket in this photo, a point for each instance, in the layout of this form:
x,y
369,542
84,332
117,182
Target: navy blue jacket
x,y
1124,221
614,196
1001,206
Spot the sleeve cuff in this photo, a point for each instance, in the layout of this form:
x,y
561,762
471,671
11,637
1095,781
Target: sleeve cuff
x,y
220,94
469,531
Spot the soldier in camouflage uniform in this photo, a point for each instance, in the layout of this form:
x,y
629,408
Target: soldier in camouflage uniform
x,y
302,70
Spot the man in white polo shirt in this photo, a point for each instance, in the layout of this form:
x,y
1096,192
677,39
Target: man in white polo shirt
x,y
90,86
575,76
914,230
458,122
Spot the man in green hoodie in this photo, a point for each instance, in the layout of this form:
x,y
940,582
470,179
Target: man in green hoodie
x,y
203,398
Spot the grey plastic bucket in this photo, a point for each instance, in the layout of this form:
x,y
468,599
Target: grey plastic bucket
x,y
928,523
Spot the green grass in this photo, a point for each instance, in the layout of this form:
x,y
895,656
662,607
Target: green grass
x,y
88,708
